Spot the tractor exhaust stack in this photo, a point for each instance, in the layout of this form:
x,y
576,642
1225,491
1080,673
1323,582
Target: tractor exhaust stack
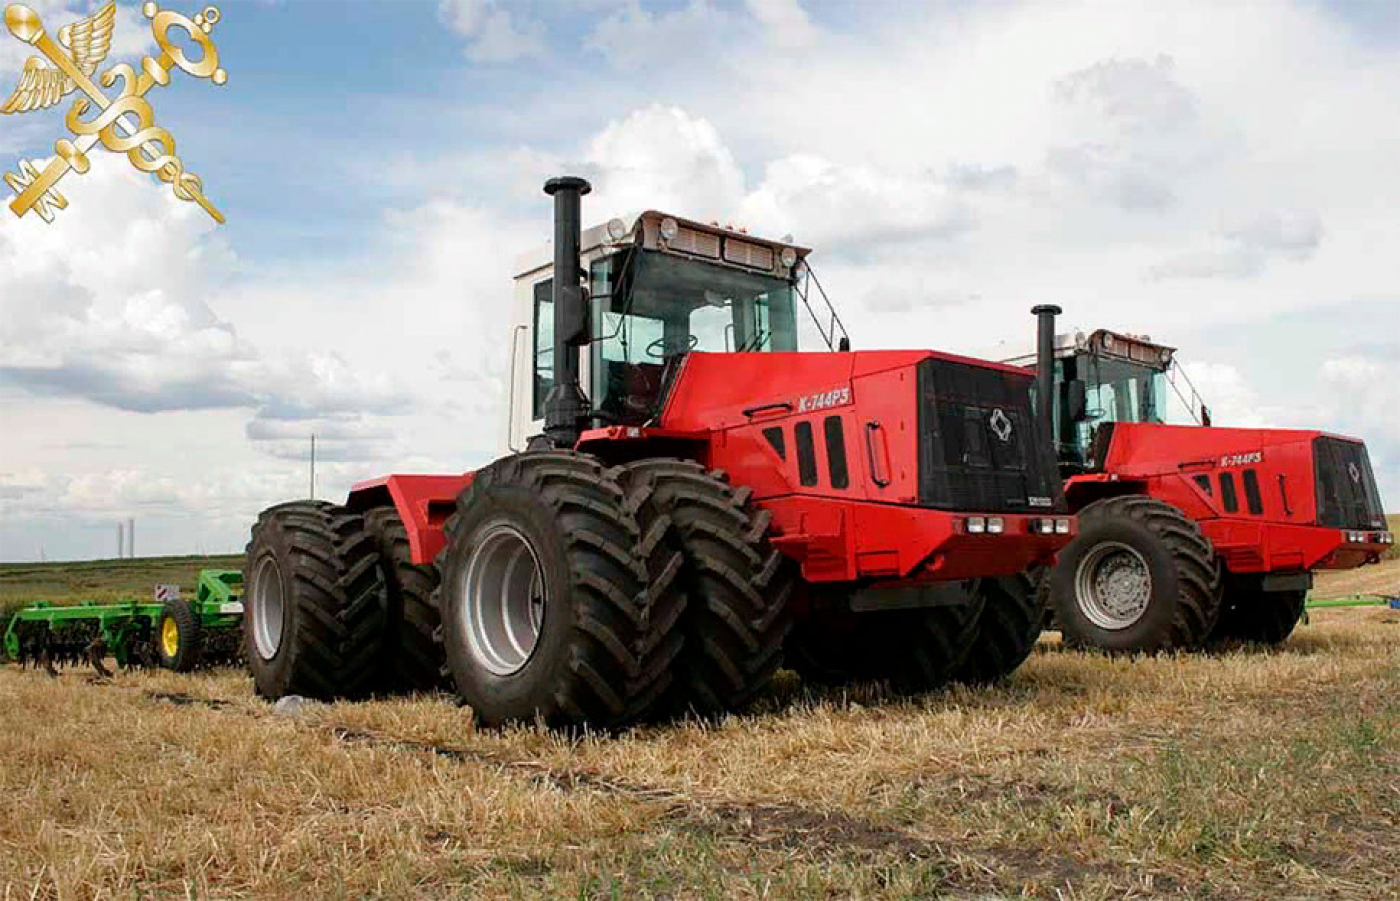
x,y
1045,367
566,407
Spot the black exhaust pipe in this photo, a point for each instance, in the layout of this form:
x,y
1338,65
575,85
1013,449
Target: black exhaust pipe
x,y
1045,367
566,407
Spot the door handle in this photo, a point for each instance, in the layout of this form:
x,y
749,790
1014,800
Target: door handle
x,y
881,465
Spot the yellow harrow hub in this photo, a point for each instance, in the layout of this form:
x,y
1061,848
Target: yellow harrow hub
x,y
170,637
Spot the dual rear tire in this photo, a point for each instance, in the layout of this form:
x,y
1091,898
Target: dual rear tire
x,y
575,594
315,617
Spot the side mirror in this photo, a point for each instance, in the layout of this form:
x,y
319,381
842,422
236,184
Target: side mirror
x,y
1076,401
1205,415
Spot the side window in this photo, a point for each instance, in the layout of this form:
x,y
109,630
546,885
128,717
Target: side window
x,y
1227,492
1204,482
544,344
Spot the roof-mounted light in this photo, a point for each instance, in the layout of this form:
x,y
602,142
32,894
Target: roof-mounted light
x,y
617,229
788,258
670,228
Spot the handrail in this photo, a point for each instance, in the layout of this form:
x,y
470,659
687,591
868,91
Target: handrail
x,y
804,289
1195,402
510,410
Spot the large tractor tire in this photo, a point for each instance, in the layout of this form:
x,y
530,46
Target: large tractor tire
x,y
737,587
314,618
1251,614
414,657
1007,628
179,640
914,650
1139,578
545,603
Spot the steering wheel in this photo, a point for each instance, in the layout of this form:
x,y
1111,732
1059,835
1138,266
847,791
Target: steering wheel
x,y
658,349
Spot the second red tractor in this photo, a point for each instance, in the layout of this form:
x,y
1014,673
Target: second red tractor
x,y
1189,534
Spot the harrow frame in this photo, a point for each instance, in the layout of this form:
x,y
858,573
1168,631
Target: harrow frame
x,y
122,626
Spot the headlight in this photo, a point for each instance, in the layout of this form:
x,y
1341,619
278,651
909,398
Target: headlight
x,y
617,229
669,228
1061,527
788,257
976,525
996,525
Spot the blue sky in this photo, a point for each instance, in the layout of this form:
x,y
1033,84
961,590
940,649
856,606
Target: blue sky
x,y
1218,175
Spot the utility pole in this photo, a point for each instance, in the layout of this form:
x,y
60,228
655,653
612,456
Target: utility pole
x,y
313,466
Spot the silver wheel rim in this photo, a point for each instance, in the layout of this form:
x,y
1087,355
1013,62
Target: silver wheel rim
x,y
503,600
1113,585
267,606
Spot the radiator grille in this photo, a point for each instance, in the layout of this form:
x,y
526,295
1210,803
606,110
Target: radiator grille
x,y
1347,496
978,447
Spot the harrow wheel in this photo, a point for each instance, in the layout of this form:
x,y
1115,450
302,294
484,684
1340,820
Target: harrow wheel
x,y
414,656
914,650
1139,577
314,615
1007,627
733,586
546,609
179,639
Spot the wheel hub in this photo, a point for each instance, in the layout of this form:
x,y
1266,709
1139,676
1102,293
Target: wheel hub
x,y
1113,585
266,604
504,602
170,636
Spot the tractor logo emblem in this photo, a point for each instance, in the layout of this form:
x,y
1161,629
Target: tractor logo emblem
x,y
124,124
1355,472
1001,425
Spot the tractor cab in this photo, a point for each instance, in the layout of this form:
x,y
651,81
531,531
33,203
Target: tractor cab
x,y
659,286
1110,377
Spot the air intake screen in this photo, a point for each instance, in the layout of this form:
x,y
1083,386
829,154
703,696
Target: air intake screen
x,y
755,256
701,244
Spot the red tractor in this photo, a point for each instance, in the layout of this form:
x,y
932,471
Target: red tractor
x,y
714,500
1188,533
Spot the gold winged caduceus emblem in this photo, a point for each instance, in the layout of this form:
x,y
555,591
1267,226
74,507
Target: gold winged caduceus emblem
x,y
125,124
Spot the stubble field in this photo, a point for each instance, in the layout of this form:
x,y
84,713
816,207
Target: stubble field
x,y
1249,775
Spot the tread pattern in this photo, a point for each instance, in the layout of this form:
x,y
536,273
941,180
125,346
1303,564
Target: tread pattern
x,y
330,566
622,642
1198,572
414,659
1253,615
738,586
1007,628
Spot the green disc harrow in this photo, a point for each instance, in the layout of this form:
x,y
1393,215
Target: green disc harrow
x,y
171,632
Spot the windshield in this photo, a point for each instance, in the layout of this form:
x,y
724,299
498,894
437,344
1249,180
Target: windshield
x,y
1115,390
650,307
